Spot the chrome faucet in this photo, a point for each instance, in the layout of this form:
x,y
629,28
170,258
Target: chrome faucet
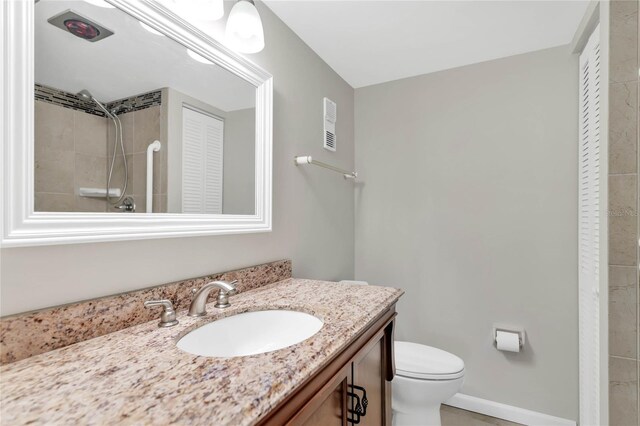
x,y
198,306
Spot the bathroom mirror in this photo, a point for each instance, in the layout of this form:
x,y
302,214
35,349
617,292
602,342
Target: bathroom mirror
x,y
141,126
115,98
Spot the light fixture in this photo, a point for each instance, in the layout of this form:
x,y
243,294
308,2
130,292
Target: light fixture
x,y
150,29
198,10
244,31
198,57
100,3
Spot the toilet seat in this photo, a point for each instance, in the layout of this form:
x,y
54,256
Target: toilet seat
x,y
423,362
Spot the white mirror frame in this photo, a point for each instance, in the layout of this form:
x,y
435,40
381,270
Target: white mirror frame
x,y
21,226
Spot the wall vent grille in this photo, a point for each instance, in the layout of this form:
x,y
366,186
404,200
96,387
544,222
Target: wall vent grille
x,y
330,118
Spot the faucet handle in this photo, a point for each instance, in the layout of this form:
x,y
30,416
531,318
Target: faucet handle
x,y
168,316
223,295
234,290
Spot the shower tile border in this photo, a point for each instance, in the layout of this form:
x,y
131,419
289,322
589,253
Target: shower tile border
x,y
69,100
64,99
32,333
138,102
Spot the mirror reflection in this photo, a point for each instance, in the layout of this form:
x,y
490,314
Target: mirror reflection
x,y
128,120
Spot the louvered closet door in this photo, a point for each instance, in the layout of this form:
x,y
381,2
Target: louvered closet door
x,y
202,147
589,231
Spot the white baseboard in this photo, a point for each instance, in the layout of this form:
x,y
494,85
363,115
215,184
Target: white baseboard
x,y
506,412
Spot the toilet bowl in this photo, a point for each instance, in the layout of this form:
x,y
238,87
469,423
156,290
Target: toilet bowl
x,y
425,378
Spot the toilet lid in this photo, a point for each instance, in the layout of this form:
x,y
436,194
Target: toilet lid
x,y
424,362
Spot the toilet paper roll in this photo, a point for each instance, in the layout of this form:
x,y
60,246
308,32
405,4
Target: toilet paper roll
x,y
506,341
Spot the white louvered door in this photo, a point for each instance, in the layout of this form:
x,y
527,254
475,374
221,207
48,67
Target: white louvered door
x,y
202,147
589,232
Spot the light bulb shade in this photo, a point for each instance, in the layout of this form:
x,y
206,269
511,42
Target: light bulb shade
x,y
244,31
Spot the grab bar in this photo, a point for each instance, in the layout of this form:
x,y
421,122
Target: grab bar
x,y
153,147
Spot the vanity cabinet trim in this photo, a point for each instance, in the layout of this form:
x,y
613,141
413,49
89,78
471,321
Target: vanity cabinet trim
x,y
21,226
289,410
340,379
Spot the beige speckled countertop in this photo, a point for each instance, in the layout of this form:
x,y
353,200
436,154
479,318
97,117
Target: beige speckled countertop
x,y
139,376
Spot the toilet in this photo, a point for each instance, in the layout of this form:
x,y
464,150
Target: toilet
x,y
425,378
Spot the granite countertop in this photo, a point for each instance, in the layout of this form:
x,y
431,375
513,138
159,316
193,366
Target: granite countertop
x,y
138,375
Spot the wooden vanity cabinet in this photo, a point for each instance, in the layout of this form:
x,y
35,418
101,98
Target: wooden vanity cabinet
x,y
331,396
368,373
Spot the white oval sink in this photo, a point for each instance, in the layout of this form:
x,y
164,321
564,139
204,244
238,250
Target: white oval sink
x,y
250,333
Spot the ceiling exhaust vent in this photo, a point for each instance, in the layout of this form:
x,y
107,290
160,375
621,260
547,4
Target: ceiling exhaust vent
x,y
330,117
80,26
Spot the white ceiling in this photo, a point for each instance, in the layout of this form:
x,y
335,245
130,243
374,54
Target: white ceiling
x,y
373,41
128,63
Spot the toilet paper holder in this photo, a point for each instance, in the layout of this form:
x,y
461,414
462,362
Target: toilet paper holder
x,y
509,329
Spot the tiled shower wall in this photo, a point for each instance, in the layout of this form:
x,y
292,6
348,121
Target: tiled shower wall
x,y
70,152
139,129
623,214
74,144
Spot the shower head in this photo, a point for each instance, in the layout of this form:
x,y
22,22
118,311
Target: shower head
x,y
85,95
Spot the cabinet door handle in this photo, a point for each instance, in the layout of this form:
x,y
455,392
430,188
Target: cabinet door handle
x,y
365,401
356,411
360,408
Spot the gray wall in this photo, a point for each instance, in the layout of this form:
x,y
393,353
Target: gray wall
x,y
469,203
239,193
313,213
